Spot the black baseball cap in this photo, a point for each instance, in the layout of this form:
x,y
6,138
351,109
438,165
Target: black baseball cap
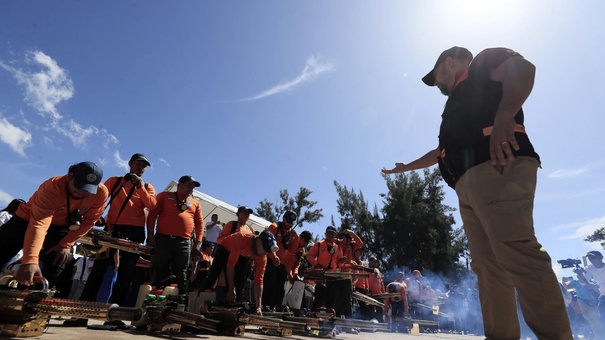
x,y
290,216
595,253
188,179
331,229
268,240
245,208
87,176
140,157
454,52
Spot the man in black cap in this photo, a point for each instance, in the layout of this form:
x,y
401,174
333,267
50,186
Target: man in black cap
x,y
485,154
276,276
63,209
325,255
175,222
129,196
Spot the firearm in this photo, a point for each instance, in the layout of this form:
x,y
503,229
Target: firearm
x,y
355,323
368,300
362,268
103,239
320,274
321,328
240,316
26,312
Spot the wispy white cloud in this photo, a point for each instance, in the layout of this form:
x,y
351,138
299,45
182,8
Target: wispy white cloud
x,y
164,161
567,173
18,139
5,198
46,85
121,163
582,229
312,70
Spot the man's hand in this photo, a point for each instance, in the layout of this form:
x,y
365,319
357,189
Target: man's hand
x,y
137,182
26,273
399,167
502,140
276,261
258,311
63,255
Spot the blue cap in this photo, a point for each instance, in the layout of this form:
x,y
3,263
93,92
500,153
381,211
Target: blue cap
x,y
87,176
268,240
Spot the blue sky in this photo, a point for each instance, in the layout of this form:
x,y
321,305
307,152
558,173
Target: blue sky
x,y
251,97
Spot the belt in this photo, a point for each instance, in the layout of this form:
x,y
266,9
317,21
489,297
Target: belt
x,y
172,237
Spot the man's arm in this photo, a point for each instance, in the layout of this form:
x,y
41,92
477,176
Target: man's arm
x,y
427,160
517,77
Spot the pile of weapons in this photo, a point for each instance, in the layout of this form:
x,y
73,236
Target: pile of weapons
x,y
26,313
322,275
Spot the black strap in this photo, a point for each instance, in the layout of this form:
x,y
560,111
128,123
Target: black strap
x,y
233,226
119,185
124,204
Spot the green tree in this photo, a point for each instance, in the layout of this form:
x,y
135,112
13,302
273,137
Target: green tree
x,y
417,226
597,236
299,203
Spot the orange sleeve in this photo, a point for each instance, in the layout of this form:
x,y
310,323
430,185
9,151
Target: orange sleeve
x,y
259,272
44,203
153,214
233,243
198,222
358,242
147,194
96,207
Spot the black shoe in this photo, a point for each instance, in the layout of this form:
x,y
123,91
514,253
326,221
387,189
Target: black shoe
x,y
75,323
114,323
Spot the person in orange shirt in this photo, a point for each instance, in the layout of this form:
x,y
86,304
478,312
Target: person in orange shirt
x,y
63,209
202,266
361,284
255,248
276,276
325,255
129,196
348,242
179,220
398,304
376,286
221,255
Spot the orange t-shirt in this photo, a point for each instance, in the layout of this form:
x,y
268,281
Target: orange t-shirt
x,y
227,230
48,205
348,250
321,254
134,211
240,244
171,220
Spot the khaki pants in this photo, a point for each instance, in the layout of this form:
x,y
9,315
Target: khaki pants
x,y
496,205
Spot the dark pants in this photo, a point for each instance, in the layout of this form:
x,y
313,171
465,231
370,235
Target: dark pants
x,y
273,284
95,278
340,293
171,257
12,235
128,261
321,293
219,264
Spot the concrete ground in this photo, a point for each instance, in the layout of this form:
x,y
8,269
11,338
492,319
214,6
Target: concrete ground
x,y
57,332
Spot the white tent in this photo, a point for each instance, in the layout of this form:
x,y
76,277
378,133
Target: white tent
x,y
225,211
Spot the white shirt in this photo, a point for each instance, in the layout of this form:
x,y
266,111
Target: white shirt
x,y
598,275
82,272
212,231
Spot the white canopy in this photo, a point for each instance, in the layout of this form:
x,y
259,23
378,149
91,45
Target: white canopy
x,y
225,211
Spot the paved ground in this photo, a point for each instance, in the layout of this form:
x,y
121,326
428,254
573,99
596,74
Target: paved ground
x,y
57,332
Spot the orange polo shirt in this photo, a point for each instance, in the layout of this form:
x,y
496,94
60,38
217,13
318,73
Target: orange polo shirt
x,y
375,282
48,205
171,220
240,244
287,255
227,230
134,211
319,254
348,250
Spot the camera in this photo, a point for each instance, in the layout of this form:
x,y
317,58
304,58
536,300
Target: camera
x,y
74,220
572,263
182,205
